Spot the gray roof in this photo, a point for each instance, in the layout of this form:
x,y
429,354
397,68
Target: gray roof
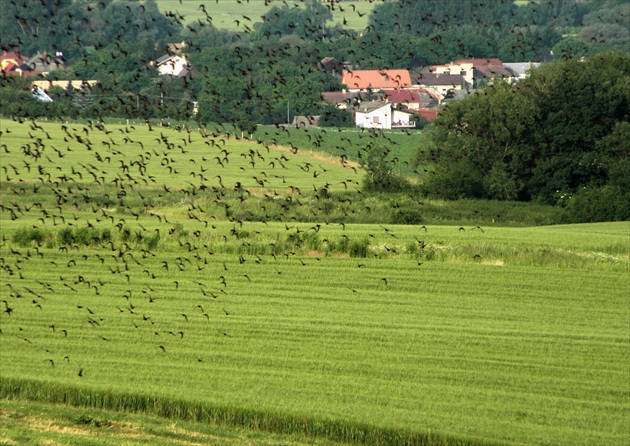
x,y
337,97
520,68
368,107
44,62
435,79
164,59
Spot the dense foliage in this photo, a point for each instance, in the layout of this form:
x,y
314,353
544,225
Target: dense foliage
x,y
562,131
72,26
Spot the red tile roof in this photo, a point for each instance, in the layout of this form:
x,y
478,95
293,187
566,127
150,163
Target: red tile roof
x,y
402,96
429,115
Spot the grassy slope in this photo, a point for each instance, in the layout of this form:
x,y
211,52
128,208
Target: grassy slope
x,y
225,12
350,143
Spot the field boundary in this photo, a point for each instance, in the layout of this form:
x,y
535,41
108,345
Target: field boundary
x,y
347,432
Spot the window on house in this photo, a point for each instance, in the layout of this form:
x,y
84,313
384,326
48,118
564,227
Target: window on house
x,y
375,120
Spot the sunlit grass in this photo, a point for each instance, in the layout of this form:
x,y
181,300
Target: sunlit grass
x,y
225,13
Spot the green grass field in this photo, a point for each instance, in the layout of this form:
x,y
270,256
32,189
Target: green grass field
x,y
225,12
132,281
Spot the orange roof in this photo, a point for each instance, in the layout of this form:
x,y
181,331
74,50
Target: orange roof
x,y
376,79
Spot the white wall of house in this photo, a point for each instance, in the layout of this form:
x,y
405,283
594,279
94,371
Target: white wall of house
x,y
402,119
443,89
380,118
173,67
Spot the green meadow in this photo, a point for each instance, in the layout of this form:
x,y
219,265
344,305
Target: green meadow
x,y
229,14
228,288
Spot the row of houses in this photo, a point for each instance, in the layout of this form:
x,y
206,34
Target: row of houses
x,y
40,65
382,99
395,98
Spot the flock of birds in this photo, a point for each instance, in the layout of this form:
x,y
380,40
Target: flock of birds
x,y
118,169
81,193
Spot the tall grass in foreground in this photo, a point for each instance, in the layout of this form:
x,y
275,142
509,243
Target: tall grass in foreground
x,y
232,416
25,422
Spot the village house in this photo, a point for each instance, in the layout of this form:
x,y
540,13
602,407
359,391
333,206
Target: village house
x,y
75,85
14,63
42,64
382,115
473,71
519,70
333,67
343,100
439,82
393,98
175,66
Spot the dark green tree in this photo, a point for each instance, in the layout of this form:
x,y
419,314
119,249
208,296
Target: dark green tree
x,y
551,134
331,116
308,22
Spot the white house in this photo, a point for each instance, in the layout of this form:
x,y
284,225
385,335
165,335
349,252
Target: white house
x,y
171,65
381,115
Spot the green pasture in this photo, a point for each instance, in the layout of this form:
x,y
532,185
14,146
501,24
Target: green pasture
x,y
477,352
278,175
156,156
351,143
463,348
147,270
224,13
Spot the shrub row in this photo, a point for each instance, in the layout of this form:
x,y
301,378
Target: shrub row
x,y
84,236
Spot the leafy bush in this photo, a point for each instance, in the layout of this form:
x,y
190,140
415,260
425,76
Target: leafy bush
x,y
459,181
359,248
608,203
406,217
152,241
331,116
81,236
125,234
65,236
26,236
88,420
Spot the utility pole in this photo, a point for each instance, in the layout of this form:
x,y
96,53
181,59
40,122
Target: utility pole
x,y
288,112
